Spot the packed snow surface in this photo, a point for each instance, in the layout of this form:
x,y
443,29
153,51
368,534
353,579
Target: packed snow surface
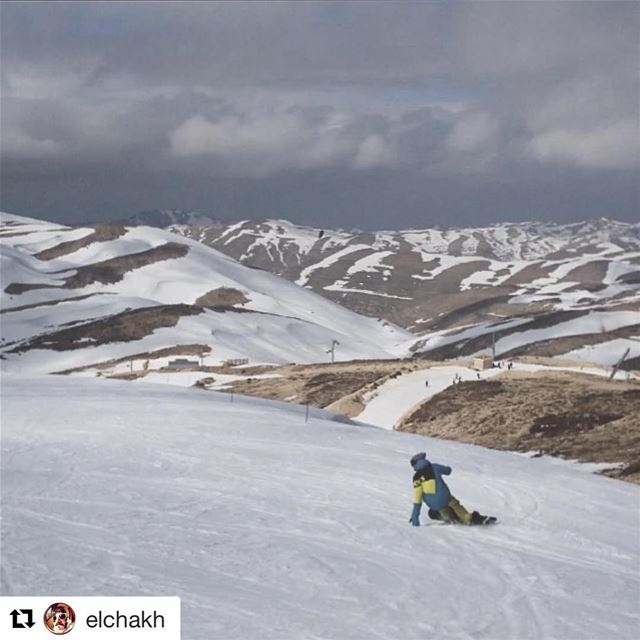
x,y
268,526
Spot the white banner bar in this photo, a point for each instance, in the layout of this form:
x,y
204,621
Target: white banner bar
x,y
86,618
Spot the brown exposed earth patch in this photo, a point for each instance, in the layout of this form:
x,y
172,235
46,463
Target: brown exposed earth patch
x,y
449,280
120,327
17,288
591,273
629,278
222,297
558,346
469,310
102,233
466,347
113,270
50,303
110,271
529,273
322,385
570,415
177,350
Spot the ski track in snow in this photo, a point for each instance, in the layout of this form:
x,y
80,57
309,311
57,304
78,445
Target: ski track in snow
x,y
270,527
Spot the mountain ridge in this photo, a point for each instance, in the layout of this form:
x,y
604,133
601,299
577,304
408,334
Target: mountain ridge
x,y
435,280
450,306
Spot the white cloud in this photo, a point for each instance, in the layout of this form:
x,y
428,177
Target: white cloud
x,y
616,146
237,136
373,151
18,144
269,141
472,132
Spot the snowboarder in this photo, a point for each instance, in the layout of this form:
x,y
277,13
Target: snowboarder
x,y
428,486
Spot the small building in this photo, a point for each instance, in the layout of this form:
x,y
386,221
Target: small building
x,y
236,362
182,363
482,363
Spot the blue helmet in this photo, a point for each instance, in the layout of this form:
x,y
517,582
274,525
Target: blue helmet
x,y
417,457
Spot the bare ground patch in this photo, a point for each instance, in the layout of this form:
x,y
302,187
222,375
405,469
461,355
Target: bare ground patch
x,y
113,270
323,385
179,350
101,233
573,416
558,346
589,274
222,297
109,271
50,303
121,327
18,288
468,346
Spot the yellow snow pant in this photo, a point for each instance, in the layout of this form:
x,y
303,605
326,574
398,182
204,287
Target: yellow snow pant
x,y
455,512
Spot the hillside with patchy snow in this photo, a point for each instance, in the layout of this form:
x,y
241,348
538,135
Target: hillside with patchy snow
x,y
78,296
533,285
268,526
75,297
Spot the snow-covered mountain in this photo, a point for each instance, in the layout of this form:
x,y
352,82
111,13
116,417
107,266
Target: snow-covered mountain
x,y
271,527
582,278
92,294
78,296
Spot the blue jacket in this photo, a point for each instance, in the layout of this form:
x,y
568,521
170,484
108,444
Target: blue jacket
x,y
428,485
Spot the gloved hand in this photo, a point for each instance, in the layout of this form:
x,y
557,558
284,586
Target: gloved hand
x,y
415,516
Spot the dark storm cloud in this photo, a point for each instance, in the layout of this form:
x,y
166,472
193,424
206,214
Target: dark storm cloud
x,y
361,114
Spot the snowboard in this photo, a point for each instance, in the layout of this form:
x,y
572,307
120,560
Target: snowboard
x,y
479,519
445,523
487,520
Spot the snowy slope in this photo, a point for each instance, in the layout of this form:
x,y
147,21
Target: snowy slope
x,y
513,336
269,527
267,318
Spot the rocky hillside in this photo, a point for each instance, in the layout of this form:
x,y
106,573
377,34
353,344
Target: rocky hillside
x,y
530,288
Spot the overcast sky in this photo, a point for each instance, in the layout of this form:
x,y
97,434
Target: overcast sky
x,y
345,114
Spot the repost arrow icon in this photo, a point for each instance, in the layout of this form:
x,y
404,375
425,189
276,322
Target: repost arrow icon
x,y
17,613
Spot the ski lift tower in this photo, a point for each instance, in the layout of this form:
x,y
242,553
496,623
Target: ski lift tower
x,y
617,365
332,350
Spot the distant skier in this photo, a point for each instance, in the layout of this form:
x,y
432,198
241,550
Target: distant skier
x,y
428,486
320,234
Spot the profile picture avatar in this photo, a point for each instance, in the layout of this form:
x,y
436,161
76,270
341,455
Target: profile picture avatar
x,y
59,618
